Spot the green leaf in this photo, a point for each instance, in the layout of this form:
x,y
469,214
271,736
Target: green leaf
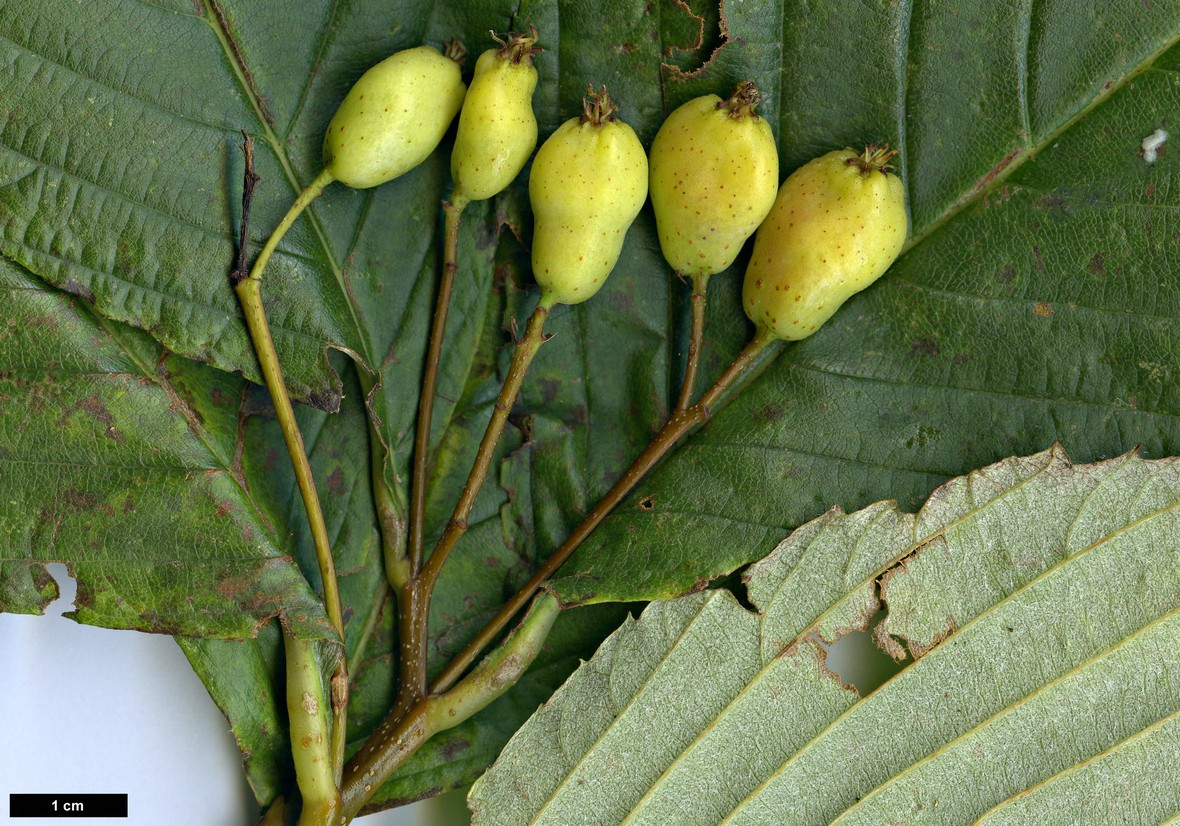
x,y
120,183
123,463
1037,601
1033,304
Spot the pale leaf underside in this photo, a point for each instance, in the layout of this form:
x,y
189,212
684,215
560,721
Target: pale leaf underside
x,y
1040,599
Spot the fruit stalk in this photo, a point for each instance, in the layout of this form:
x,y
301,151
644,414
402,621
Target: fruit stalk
x,y
671,433
415,608
526,349
249,292
700,284
453,210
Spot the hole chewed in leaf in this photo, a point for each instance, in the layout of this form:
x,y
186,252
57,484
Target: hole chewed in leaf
x,y
710,34
1029,546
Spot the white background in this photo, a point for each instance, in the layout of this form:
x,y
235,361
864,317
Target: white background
x,y
86,709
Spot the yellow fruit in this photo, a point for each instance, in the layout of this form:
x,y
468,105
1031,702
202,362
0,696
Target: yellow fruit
x,y
497,129
838,223
714,175
588,182
393,117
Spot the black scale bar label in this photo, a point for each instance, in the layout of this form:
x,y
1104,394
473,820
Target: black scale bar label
x,y
67,805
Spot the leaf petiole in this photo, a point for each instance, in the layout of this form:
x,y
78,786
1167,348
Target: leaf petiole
x,y
309,734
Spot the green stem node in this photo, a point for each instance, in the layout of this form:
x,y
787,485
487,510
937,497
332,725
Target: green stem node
x,y
310,736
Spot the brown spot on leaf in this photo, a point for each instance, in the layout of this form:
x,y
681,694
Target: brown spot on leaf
x,y
1043,309
1054,203
926,346
451,749
324,400
94,406
335,483
549,389
1006,275
996,170
767,413
74,287
1097,264
79,500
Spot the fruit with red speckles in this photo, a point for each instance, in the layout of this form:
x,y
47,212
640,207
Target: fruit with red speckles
x,y
394,116
588,182
838,223
714,175
497,128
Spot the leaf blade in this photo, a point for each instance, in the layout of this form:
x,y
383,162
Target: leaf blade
x,y
1015,678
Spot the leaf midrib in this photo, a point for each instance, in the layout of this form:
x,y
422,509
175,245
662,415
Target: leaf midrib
x,y
213,20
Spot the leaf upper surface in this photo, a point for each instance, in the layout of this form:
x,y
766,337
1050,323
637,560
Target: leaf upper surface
x,y
122,463
1034,304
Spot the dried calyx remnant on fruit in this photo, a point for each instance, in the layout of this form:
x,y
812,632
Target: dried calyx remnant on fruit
x,y
838,223
394,116
714,175
588,182
497,128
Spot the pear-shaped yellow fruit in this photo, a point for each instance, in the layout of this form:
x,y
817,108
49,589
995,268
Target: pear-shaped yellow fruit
x,y
393,117
838,223
497,129
588,182
714,175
